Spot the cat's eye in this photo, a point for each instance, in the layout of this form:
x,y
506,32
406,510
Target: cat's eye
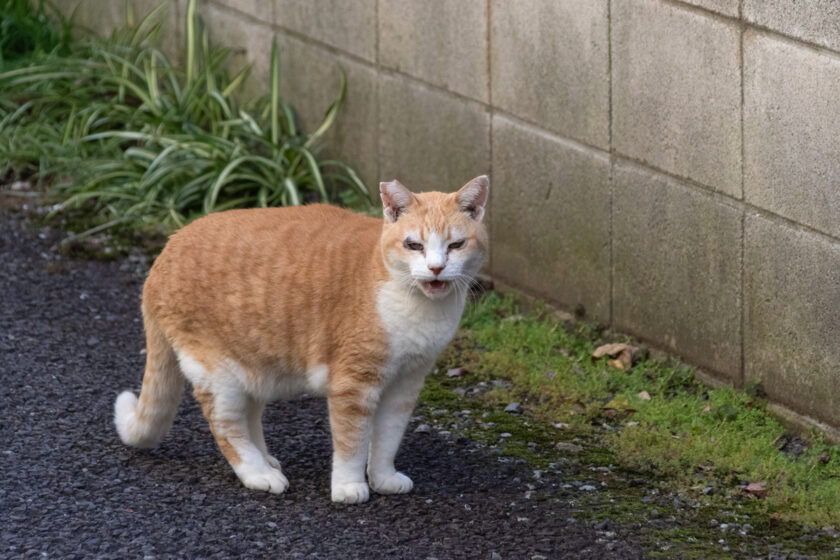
x,y
457,244
412,245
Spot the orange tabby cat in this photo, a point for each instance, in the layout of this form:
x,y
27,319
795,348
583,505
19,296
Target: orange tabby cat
x,y
255,305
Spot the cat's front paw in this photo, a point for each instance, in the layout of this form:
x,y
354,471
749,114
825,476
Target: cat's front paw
x,y
396,483
350,492
263,478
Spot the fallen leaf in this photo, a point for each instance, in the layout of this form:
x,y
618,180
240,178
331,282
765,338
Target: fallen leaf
x,y
618,404
757,489
644,395
617,364
618,408
611,350
621,353
706,409
456,372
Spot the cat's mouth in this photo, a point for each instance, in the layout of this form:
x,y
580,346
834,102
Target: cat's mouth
x,y
436,286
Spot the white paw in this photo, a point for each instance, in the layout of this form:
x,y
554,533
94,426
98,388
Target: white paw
x,y
263,478
396,483
350,492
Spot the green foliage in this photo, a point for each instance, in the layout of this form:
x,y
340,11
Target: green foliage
x,y
28,30
656,417
117,128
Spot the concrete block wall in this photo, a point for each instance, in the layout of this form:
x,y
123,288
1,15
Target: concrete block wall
x,y
671,167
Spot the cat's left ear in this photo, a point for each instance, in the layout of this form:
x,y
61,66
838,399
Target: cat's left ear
x,y
395,199
472,197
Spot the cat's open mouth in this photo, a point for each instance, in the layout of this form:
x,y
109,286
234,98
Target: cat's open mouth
x,y
436,286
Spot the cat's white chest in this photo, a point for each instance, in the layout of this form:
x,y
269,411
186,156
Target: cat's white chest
x,y
418,328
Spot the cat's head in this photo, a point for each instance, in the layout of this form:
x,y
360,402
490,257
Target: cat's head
x,y
434,241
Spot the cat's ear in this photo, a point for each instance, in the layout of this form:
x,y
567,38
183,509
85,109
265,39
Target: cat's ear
x,y
472,197
395,199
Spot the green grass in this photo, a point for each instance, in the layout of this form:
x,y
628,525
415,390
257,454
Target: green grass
x,y
707,443
118,129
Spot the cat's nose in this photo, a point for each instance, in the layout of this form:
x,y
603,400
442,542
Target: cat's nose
x,y
436,269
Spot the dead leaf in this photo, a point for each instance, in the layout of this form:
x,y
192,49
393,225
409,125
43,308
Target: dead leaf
x,y
456,372
644,395
757,489
618,408
617,364
611,350
621,353
706,409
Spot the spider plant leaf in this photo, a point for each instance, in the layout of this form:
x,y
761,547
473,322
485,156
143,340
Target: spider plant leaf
x,y
292,191
315,172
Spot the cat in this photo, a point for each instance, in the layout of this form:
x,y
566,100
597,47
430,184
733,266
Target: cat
x,y
255,305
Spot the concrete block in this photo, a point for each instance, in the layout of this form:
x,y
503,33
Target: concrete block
x,y
103,17
791,324
725,7
550,218
676,91
349,26
443,42
550,65
261,10
429,139
309,81
676,266
250,44
817,21
791,119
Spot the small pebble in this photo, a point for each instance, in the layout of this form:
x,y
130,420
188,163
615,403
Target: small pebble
x,y
422,429
513,408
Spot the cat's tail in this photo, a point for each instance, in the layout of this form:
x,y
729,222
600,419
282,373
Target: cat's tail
x,y
144,422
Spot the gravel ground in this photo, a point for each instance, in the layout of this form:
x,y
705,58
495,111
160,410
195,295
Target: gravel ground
x,y
71,339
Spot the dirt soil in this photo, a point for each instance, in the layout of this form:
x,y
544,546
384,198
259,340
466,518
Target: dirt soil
x,y
71,339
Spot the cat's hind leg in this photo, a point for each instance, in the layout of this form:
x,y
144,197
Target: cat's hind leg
x,y
226,409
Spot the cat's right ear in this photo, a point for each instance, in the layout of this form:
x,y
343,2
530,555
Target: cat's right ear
x,y
395,199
